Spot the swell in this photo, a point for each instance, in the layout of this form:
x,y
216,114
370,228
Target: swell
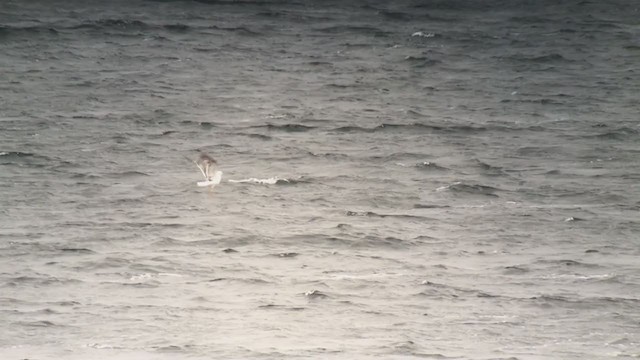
x,y
470,189
430,128
32,159
552,58
567,263
439,290
270,181
372,214
622,133
126,174
102,24
241,30
110,25
292,16
341,29
285,127
583,302
248,2
490,170
8,31
15,155
349,237
37,281
429,166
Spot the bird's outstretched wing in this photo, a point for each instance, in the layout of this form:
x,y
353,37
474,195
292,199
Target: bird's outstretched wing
x,y
201,170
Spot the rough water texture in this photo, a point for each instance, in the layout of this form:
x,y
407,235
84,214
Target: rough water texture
x,y
413,179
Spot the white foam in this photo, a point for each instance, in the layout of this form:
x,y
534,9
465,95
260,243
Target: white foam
x,y
422,34
443,188
139,277
217,177
269,181
146,276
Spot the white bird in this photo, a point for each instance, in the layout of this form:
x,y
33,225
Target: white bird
x,y
207,166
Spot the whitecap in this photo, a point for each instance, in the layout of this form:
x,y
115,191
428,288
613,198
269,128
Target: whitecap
x,y
101,346
422,34
269,181
141,277
169,274
443,188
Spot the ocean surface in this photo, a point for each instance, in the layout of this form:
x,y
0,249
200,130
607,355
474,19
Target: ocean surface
x,y
402,179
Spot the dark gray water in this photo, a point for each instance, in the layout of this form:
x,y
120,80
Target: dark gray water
x,y
413,179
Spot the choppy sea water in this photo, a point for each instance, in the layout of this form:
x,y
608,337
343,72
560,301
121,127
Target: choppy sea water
x,y
413,179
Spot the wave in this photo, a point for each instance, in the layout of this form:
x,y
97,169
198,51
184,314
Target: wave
x,y
315,294
257,136
541,101
281,307
439,290
77,250
6,30
430,206
140,285
351,128
545,62
118,24
252,281
320,63
241,30
329,155
286,254
488,169
37,323
377,215
396,15
622,133
294,16
474,189
589,302
341,29
421,61
340,86
539,151
177,27
398,156
269,181
111,23
202,124
127,174
38,281
29,159
15,154
568,262
419,127
285,127
429,166
531,19
547,58
455,5
515,270
246,2
128,24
